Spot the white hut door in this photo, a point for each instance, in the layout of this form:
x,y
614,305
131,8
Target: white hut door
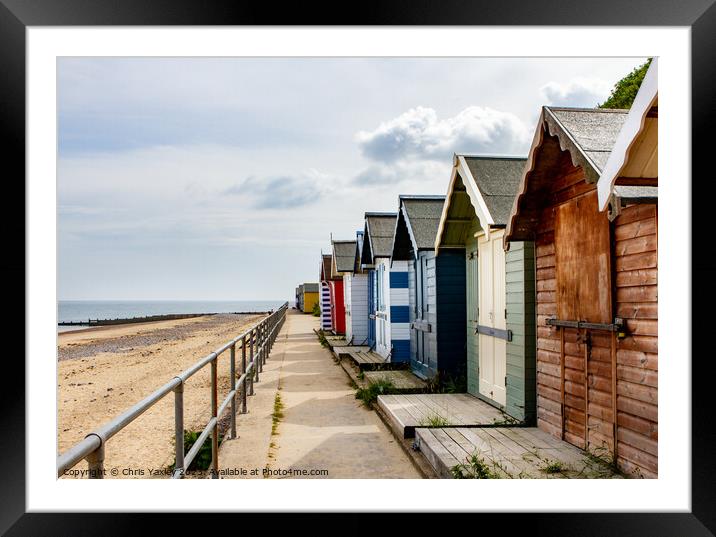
x,y
492,350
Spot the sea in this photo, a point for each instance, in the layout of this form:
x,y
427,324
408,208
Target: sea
x,y
81,310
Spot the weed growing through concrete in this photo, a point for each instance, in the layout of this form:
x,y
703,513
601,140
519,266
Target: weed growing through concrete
x,y
277,414
369,394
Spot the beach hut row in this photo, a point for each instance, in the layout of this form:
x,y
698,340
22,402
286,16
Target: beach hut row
x,y
307,296
532,282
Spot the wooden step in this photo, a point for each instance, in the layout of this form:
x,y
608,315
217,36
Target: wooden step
x,y
507,452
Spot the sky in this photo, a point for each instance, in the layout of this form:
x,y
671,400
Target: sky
x,y
224,178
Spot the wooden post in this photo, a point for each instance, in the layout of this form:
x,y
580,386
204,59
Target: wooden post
x,y
561,376
614,393
587,346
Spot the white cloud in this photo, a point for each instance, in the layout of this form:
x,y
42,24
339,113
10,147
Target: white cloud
x,y
578,92
419,133
285,191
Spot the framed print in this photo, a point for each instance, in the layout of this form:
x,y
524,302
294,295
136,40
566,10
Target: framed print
x,y
356,266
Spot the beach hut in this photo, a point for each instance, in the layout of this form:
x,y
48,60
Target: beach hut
x,y
498,287
299,297
325,279
436,294
389,288
343,254
355,289
310,297
596,279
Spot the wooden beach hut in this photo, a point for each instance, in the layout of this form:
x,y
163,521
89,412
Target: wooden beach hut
x,y
436,290
325,279
596,275
390,309
342,260
299,297
310,297
498,287
355,289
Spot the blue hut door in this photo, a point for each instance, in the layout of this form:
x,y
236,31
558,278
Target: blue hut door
x,y
371,308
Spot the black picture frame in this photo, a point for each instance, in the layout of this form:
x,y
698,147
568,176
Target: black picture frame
x,y
699,15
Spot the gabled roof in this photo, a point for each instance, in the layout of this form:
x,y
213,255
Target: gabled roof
x,y
344,253
634,158
497,179
325,273
417,224
377,236
358,252
586,134
487,186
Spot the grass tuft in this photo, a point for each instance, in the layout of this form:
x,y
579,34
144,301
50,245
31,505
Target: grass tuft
x,y
473,468
369,394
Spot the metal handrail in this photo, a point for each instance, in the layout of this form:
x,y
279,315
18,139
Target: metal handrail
x,y
257,340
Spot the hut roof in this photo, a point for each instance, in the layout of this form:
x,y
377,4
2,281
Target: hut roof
x,y
634,157
586,134
326,260
310,287
418,222
379,230
344,253
482,188
497,179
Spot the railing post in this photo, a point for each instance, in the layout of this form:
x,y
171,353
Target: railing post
x,y
215,432
232,367
264,347
259,350
243,372
179,429
95,463
255,373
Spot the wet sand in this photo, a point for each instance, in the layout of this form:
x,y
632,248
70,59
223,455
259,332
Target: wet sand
x,y
105,370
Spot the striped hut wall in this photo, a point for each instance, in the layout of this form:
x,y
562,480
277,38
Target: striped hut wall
x,y
325,306
399,312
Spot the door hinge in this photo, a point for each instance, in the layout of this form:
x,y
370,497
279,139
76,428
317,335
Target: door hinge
x,y
505,381
505,313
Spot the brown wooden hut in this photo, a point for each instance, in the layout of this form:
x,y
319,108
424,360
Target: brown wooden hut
x,y
596,276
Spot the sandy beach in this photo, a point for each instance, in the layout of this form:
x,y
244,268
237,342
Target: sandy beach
x,y
103,371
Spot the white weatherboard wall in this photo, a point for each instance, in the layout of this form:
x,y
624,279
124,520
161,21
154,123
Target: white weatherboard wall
x,y
382,317
347,304
359,308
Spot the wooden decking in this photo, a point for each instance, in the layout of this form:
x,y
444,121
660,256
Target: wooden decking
x,y
506,452
402,380
343,351
406,412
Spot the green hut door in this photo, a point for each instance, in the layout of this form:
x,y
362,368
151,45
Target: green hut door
x,y
491,314
472,307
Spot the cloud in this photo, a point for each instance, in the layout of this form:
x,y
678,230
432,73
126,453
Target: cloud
x,y
283,191
416,172
419,133
578,92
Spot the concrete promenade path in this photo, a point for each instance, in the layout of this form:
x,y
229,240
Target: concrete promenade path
x,y
324,432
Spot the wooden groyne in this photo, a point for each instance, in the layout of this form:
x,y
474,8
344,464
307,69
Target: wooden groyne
x,y
153,318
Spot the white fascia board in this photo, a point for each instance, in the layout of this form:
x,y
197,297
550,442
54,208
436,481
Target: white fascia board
x,y
633,125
